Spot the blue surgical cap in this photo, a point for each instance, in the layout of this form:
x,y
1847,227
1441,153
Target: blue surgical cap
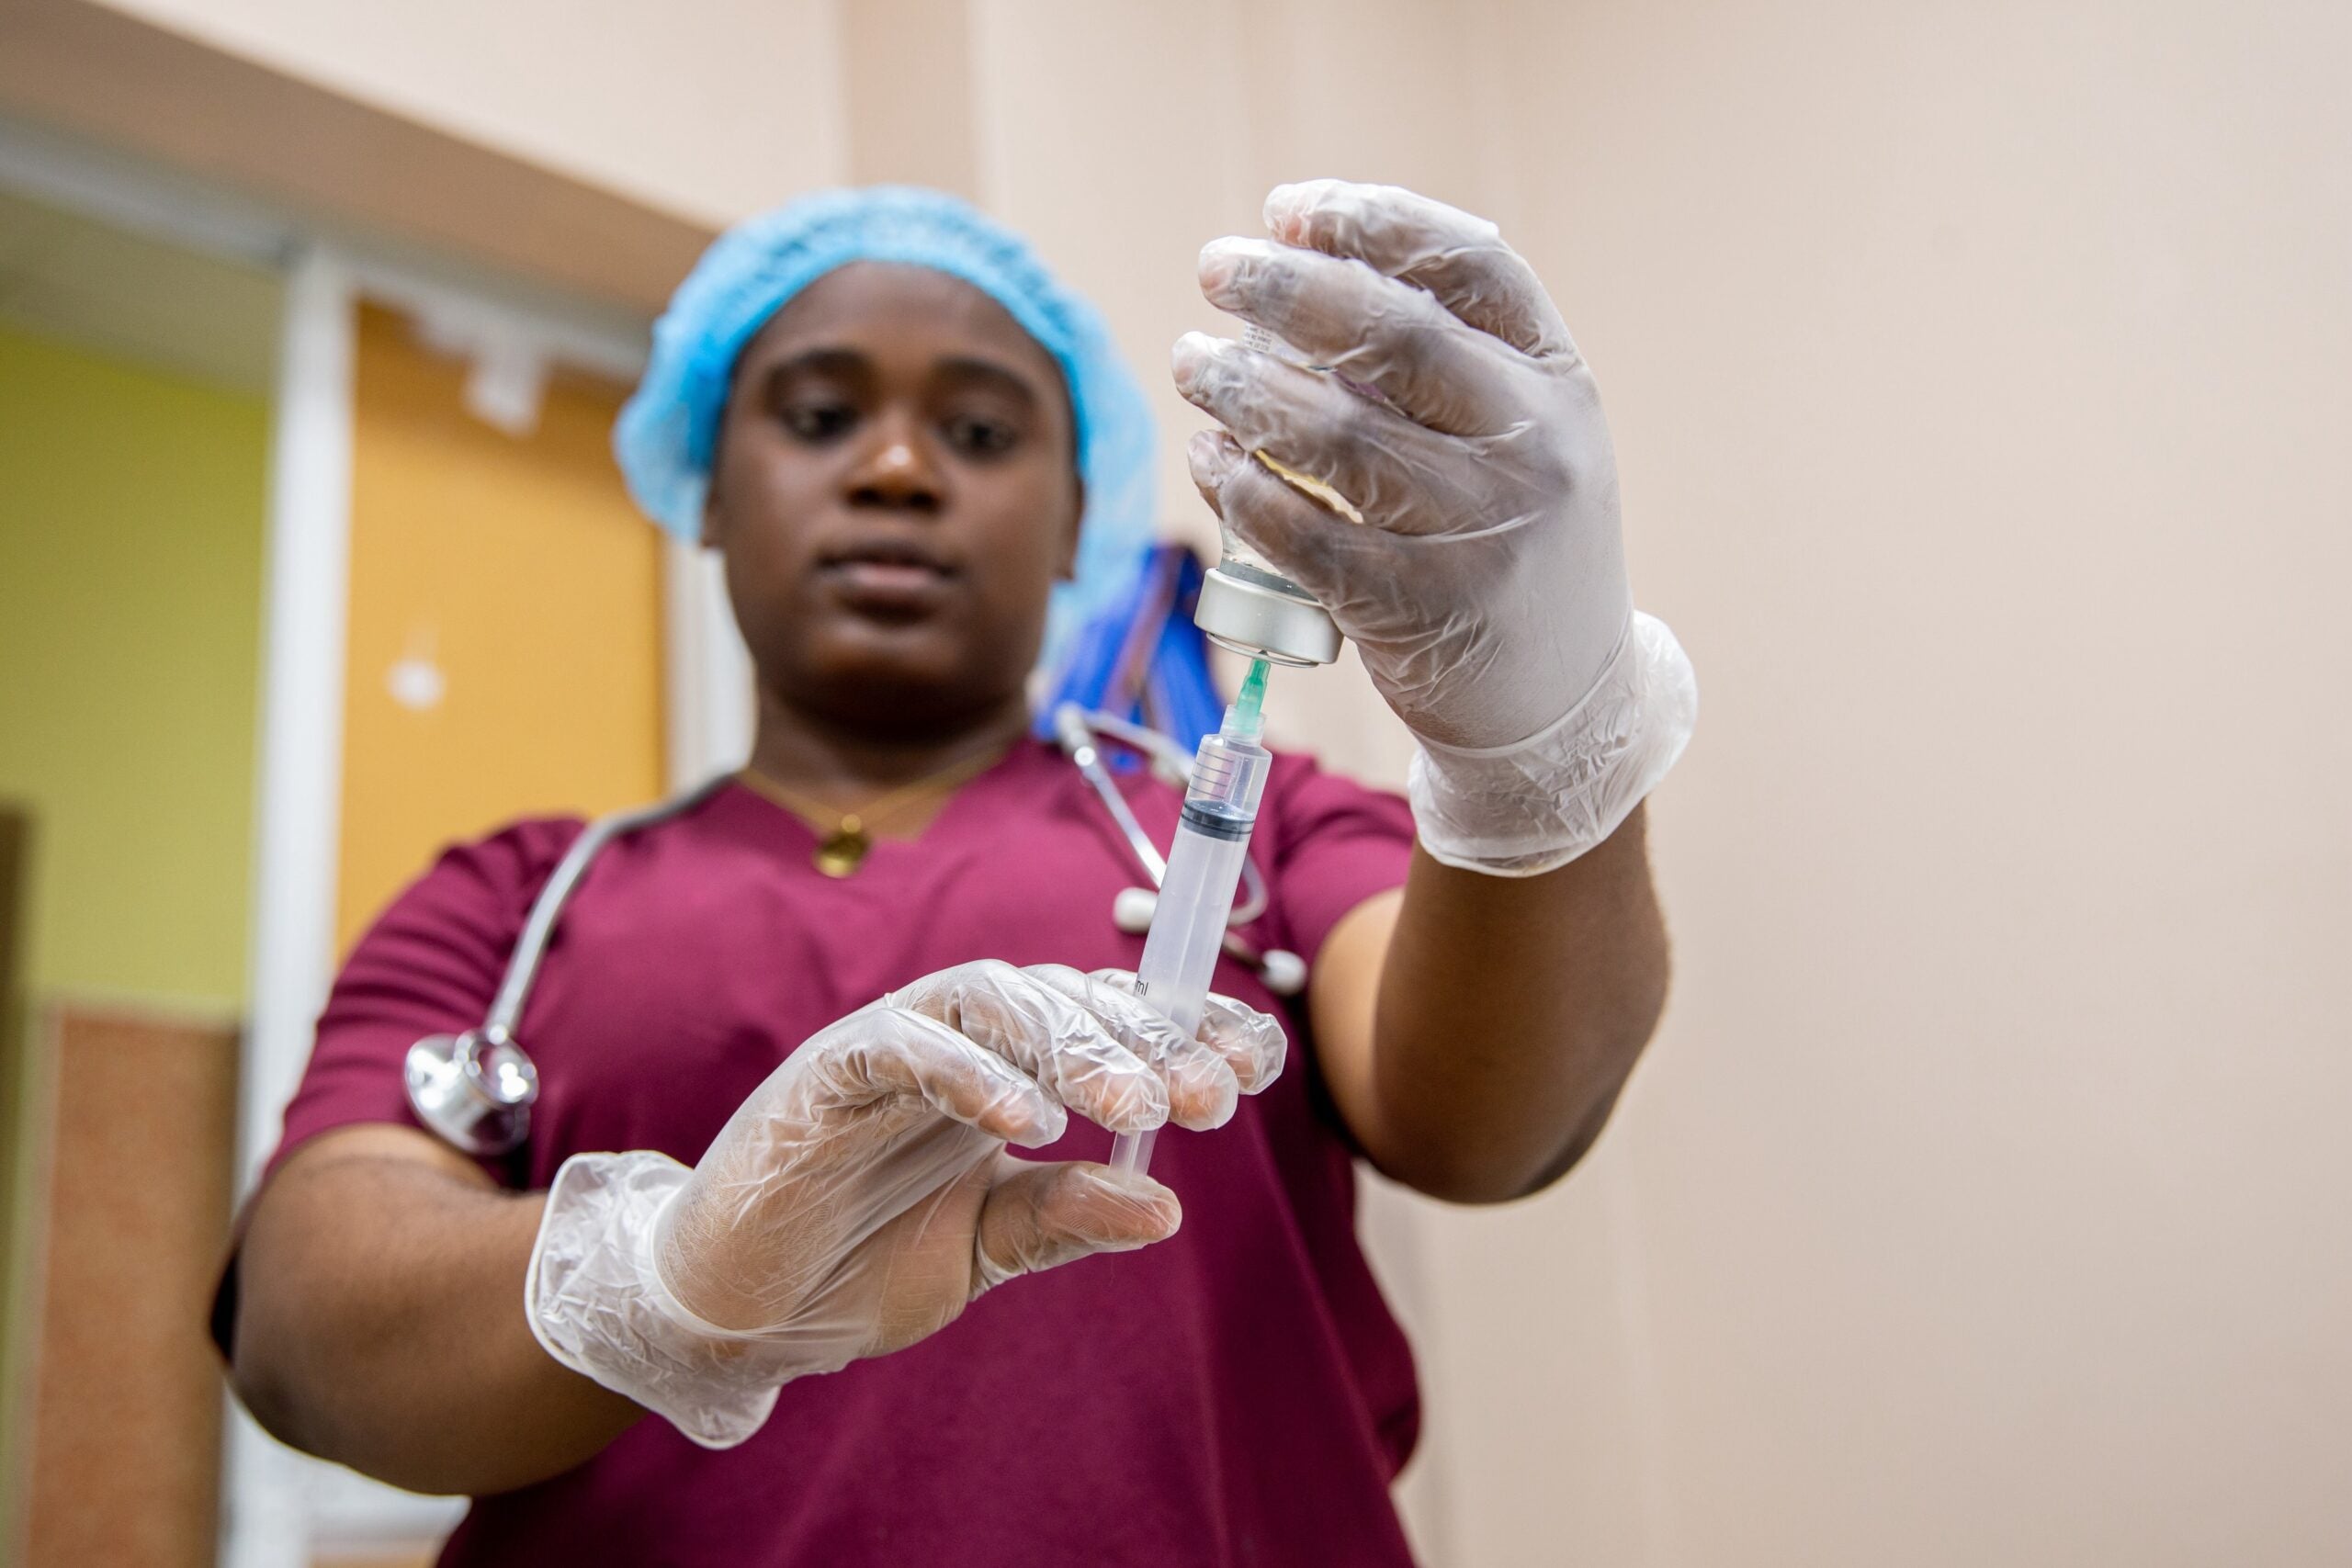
x,y
668,430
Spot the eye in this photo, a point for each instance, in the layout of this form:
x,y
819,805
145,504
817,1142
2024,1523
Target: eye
x,y
815,421
978,438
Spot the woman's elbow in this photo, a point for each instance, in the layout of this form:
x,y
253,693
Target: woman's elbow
x,y
1469,1172
1492,1161
267,1388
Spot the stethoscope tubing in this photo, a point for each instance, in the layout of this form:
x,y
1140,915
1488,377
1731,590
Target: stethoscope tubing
x,y
1076,728
487,1113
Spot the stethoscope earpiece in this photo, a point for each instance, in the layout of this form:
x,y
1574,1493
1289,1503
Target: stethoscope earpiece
x,y
1280,970
1131,911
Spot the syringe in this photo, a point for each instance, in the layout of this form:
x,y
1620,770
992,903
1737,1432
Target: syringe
x,y
1205,863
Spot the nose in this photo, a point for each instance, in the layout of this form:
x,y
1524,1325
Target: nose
x,y
895,471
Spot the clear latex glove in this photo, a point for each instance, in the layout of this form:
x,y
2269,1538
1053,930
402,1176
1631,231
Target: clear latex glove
x,y
861,1196
1486,587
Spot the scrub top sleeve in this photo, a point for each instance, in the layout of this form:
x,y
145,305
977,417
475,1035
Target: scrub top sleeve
x,y
1336,843
430,964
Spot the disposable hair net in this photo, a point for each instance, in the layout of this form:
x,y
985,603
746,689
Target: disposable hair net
x,y
667,432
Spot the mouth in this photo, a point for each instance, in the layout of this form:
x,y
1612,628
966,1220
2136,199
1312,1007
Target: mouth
x,y
891,576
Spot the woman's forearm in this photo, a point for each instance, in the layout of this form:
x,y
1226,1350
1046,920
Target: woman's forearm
x,y
1510,1012
381,1323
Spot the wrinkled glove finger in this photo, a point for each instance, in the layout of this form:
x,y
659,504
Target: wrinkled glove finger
x,y
1202,1090
780,1248
884,1052
1342,315
1046,1035
1373,581
1324,553
1250,1044
1397,475
1458,257
1041,1216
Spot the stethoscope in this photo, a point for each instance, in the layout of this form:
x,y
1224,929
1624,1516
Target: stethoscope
x,y
475,1090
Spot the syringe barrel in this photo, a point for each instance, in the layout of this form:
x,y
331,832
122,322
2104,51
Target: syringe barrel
x,y
1188,927
1229,778
1203,868
1204,864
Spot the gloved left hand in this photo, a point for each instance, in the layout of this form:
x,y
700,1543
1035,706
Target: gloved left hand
x,y
1485,586
862,1195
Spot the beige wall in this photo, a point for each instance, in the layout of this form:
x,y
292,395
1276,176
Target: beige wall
x,y
708,109
1976,373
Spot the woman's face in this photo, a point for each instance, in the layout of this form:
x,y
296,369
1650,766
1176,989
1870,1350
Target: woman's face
x,y
895,492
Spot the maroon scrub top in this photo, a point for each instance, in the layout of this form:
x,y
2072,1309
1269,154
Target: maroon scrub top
x,y
1236,1394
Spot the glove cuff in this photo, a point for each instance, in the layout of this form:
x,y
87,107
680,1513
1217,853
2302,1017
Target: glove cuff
x,y
1530,808
595,1303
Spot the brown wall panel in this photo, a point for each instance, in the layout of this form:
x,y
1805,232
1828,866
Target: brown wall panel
x,y
126,1401
15,1351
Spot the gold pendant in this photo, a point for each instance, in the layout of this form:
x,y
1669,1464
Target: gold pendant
x,y
843,848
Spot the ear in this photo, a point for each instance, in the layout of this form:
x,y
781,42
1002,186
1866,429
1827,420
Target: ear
x,y
713,514
1067,566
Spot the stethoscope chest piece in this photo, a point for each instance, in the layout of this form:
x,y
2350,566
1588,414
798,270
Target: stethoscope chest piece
x,y
472,1089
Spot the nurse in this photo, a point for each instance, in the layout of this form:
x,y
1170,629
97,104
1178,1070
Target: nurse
x,y
789,1270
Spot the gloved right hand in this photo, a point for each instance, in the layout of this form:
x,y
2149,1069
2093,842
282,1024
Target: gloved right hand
x,y
1485,585
861,1196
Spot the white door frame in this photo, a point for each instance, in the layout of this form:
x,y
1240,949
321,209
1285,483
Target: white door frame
x,y
265,1515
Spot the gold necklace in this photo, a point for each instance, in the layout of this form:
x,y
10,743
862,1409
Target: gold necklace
x,y
842,850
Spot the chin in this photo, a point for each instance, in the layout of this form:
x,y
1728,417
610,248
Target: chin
x,y
904,684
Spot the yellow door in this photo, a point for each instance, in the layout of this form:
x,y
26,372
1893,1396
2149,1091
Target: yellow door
x,y
505,633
